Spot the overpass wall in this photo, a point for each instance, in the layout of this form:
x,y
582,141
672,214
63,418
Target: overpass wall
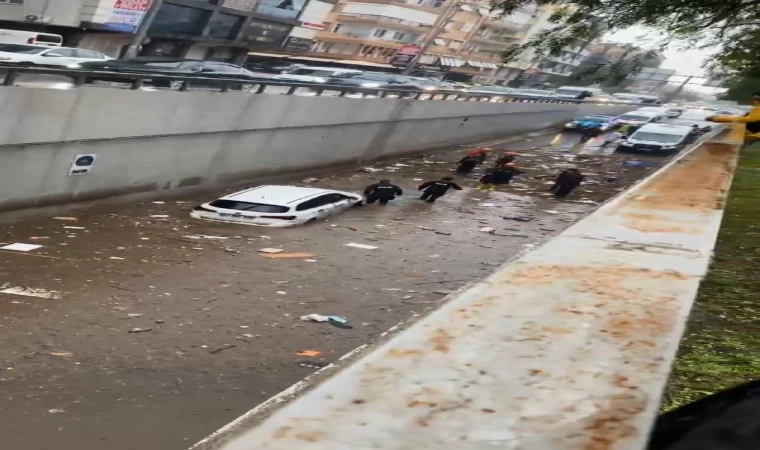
x,y
147,142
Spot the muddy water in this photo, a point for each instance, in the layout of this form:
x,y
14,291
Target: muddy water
x,y
220,322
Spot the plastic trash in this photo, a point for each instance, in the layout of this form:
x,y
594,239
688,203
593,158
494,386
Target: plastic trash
x,y
519,218
315,318
632,163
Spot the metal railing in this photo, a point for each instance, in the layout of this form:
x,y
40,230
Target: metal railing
x,y
143,81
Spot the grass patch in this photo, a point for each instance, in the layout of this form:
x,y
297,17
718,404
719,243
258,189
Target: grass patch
x,y
721,347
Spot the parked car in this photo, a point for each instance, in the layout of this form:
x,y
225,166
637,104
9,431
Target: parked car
x,y
535,93
576,92
43,55
277,206
275,67
493,90
639,117
29,37
657,137
310,74
179,67
373,80
585,122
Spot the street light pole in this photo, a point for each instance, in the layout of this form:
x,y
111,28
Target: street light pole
x,y
142,29
438,26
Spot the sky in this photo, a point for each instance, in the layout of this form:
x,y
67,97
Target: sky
x,y
678,56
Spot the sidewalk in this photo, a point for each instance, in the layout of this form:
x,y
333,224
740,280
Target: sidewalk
x,y
720,348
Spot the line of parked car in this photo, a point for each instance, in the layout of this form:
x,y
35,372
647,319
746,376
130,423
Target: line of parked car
x,y
647,132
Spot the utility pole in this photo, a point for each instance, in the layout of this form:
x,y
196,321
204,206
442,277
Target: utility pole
x,y
142,29
447,13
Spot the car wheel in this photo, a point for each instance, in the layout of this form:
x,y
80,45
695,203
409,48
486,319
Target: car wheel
x,y
247,88
175,84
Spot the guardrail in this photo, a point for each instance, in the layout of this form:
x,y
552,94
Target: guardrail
x,y
137,81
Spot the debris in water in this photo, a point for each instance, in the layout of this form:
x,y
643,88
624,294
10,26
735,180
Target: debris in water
x,y
29,292
633,163
70,219
160,216
223,348
63,354
271,250
311,353
140,330
315,318
520,218
69,227
362,246
487,230
312,364
20,247
370,169
311,180
289,255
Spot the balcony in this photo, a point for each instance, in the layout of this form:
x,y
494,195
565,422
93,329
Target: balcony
x,y
391,22
504,41
404,4
348,38
518,29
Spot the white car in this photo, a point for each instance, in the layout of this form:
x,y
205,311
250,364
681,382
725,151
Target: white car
x,y
276,206
312,74
541,93
38,55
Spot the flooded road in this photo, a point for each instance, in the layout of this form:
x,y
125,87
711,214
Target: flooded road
x,y
140,328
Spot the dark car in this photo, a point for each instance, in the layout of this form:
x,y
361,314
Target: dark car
x,y
275,67
179,67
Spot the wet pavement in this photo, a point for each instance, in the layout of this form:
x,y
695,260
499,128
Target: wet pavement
x,y
140,328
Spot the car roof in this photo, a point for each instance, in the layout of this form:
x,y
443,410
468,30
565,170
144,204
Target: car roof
x,y
664,128
277,195
642,113
334,69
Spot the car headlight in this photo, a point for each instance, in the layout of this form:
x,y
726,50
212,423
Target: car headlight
x,y
668,147
626,144
570,124
320,80
429,88
371,85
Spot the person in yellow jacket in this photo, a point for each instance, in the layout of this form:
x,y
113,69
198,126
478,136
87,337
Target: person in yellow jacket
x,y
752,119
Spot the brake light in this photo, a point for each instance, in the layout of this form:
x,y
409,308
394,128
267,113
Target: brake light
x,y
201,208
30,40
279,217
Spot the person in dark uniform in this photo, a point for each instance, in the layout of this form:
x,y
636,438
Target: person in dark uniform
x,y
467,164
566,182
382,192
591,133
506,158
437,188
498,175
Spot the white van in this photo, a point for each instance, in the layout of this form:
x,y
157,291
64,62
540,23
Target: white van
x,y
639,117
313,74
657,137
30,37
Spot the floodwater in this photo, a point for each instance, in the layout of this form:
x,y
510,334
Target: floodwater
x,y
218,323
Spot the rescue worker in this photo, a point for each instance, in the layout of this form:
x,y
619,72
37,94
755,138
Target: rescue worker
x,y
498,175
566,182
611,138
437,188
506,158
480,153
751,119
382,192
590,133
467,164
624,129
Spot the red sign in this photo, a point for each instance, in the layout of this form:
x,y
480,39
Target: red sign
x,y
132,5
313,26
409,50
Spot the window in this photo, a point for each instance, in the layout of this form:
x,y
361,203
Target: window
x,y
397,36
250,207
379,33
12,2
66,52
322,200
15,48
49,38
455,45
337,27
224,26
467,27
174,19
263,32
88,54
281,8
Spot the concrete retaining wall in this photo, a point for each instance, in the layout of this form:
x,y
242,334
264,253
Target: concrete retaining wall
x,y
152,141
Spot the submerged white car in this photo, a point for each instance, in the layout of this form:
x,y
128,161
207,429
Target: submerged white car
x,y
276,206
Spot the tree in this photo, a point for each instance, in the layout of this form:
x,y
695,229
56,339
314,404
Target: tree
x,y
731,26
740,89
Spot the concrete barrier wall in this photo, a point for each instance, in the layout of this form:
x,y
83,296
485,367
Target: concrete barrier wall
x,y
152,141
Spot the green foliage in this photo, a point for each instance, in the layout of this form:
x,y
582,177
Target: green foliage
x,y
721,347
731,26
741,89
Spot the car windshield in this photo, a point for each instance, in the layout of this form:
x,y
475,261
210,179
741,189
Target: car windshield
x,y
593,119
386,78
534,92
657,137
570,91
250,207
312,72
26,49
634,117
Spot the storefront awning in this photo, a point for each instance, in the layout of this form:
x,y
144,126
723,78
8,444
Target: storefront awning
x,y
452,61
483,65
